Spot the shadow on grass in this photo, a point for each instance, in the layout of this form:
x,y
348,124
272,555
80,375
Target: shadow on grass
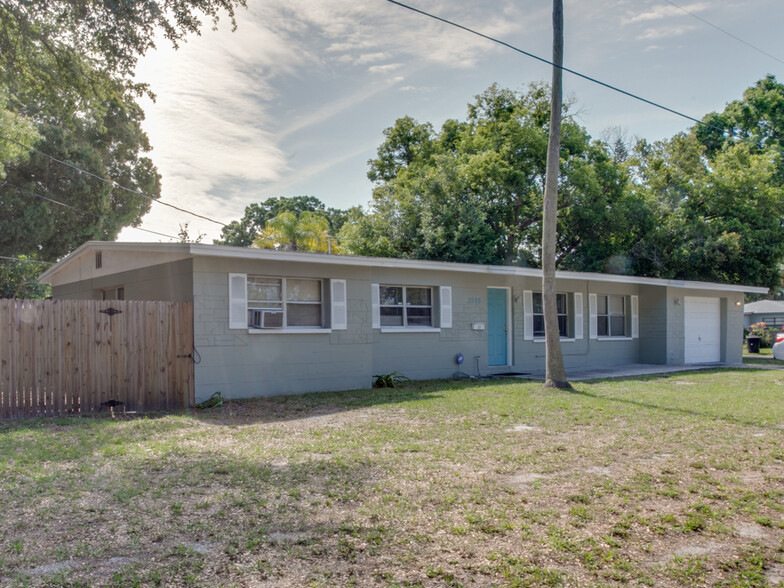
x,y
319,404
672,409
238,412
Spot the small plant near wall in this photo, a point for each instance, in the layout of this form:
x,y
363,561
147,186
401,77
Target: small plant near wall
x,y
392,380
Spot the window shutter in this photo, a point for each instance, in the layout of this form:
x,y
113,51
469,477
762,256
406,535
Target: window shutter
x,y
635,317
592,304
445,300
528,315
578,315
339,314
238,301
375,307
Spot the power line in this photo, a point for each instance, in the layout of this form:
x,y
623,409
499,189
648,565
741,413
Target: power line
x,y
110,182
721,30
581,75
80,211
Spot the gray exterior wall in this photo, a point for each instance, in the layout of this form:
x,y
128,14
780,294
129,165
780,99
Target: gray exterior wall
x,y
240,364
653,324
243,364
167,281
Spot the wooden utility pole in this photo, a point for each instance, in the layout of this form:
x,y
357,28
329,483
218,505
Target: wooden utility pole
x,y
555,371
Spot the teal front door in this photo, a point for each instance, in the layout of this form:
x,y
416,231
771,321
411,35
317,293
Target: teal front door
x,y
497,327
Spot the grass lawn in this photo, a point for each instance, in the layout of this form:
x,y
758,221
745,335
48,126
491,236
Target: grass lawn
x,y
765,351
660,481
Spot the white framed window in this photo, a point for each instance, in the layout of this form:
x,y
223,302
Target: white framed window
x,y
561,305
611,315
399,308
285,303
274,304
406,306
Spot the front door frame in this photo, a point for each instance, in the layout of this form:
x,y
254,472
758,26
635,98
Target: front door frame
x,y
509,324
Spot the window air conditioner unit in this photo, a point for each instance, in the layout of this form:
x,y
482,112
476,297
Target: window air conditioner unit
x,y
265,318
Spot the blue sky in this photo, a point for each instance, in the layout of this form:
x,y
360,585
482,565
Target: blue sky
x,y
295,101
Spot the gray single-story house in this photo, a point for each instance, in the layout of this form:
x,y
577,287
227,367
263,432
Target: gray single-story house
x,y
278,322
770,312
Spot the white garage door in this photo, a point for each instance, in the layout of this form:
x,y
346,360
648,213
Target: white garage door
x,y
702,329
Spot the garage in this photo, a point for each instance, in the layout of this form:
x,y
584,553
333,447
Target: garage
x,y
702,329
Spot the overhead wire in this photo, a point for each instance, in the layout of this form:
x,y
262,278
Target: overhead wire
x,y
111,182
581,75
79,210
721,30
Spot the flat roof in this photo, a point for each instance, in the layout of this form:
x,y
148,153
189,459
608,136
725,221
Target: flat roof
x,y
199,249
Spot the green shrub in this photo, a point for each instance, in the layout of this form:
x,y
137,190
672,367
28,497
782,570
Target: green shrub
x,y
765,333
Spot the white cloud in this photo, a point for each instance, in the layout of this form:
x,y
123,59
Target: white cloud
x,y
223,110
666,11
665,32
383,69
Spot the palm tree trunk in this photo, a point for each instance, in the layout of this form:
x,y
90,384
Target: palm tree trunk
x,y
555,372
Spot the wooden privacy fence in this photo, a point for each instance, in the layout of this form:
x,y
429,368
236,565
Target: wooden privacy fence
x,y
72,356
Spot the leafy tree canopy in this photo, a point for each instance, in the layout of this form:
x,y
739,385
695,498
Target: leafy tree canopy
x,y
703,205
67,90
18,279
243,232
473,191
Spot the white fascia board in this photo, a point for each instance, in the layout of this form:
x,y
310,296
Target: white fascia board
x,y
388,262
227,251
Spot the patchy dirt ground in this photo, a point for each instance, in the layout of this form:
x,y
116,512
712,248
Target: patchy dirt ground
x,y
660,481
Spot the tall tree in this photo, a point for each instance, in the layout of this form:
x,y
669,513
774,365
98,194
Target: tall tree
x,y
718,219
554,367
472,192
108,142
67,89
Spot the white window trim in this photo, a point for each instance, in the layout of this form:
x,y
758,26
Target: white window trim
x,y
410,330
528,317
290,331
239,299
285,303
443,309
631,313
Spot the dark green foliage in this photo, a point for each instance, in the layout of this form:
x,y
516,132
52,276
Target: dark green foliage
x,y
391,380
18,279
67,89
243,232
700,206
473,191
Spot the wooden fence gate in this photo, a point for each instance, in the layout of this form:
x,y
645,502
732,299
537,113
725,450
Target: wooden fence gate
x,y
73,356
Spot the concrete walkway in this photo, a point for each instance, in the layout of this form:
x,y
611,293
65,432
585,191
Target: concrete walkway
x,y
634,370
